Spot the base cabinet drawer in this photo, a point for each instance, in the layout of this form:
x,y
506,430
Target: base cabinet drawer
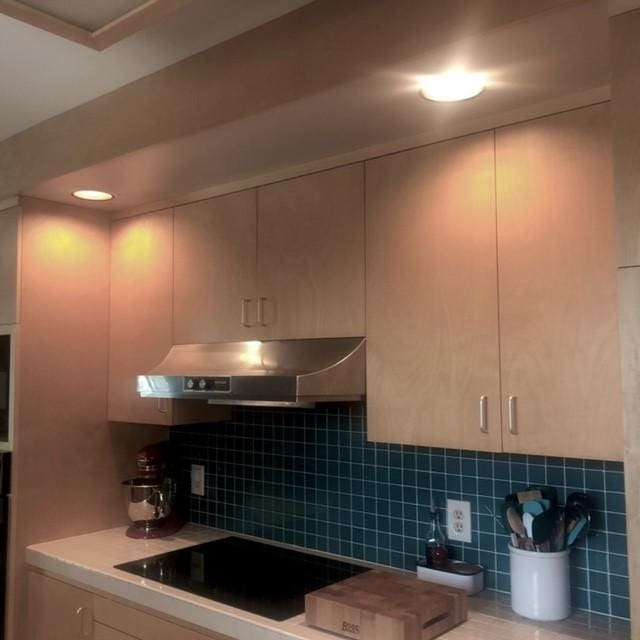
x,y
142,626
100,632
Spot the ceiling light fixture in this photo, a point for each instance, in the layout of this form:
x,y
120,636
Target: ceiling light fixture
x,y
91,194
452,86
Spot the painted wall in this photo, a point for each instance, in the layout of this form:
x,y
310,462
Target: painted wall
x,y
311,479
68,462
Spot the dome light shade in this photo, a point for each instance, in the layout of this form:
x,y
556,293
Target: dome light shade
x,y
452,86
91,194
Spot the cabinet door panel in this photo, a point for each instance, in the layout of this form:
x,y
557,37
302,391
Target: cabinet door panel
x,y
56,611
215,268
432,310
311,255
141,281
141,322
558,318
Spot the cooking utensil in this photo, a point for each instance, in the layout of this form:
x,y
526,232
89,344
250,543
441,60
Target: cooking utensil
x,y
506,505
546,493
559,531
533,507
582,502
529,495
527,521
515,522
542,527
576,525
580,499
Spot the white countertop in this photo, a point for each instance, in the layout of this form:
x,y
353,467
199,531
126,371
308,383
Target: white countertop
x,y
89,560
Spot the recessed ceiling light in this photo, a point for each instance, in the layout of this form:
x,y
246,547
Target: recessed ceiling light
x,y
91,194
452,86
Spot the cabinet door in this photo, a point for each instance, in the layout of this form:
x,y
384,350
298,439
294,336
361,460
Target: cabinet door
x,y
432,309
311,255
9,238
140,309
558,309
141,281
141,321
215,269
56,610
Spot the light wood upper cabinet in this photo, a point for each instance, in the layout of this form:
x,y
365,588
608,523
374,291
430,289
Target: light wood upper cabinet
x,y
432,308
287,262
558,306
141,321
215,270
538,334
9,241
311,255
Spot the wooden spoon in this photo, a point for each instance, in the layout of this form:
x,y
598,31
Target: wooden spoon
x,y
515,522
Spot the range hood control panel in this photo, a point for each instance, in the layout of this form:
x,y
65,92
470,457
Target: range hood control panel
x,y
217,384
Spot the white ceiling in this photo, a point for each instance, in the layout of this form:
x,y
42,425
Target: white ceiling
x,y
42,75
554,61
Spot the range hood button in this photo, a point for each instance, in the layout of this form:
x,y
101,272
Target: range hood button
x,y
202,384
190,383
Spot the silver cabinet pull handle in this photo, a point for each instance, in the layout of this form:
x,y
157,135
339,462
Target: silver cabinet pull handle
x,y
244,304
161,405
484,423
513,415
261,319
86,622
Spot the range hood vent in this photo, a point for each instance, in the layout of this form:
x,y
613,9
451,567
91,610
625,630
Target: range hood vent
x,y
277,373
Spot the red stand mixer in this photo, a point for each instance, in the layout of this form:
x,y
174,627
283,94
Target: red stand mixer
x,y
151,496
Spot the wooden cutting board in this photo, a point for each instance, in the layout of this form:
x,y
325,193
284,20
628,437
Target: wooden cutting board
x,y
378,605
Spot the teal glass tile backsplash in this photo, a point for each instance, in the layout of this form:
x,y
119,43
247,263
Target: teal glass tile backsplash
x,y
311,479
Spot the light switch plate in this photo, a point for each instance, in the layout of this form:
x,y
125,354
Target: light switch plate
x,y
197,479
459,520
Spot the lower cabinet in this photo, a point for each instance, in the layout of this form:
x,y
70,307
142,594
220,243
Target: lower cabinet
x,y
57,611
60,611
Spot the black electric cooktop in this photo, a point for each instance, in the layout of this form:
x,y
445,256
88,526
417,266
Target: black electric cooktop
x,y
260,578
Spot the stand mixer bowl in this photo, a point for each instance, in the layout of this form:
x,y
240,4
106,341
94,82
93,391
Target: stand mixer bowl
x,y
148,502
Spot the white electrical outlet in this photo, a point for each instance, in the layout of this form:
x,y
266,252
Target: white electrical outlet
x,y
197,479
459,520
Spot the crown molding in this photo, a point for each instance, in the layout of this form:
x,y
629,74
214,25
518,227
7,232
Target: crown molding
x,y
119,29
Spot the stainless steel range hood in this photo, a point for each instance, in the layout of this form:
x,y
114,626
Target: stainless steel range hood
x,y
284,373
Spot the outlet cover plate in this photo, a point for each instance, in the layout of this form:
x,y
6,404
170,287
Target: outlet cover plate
x,y
459,520
197,479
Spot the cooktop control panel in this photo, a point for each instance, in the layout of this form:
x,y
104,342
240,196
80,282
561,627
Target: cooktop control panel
x,y
217,384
